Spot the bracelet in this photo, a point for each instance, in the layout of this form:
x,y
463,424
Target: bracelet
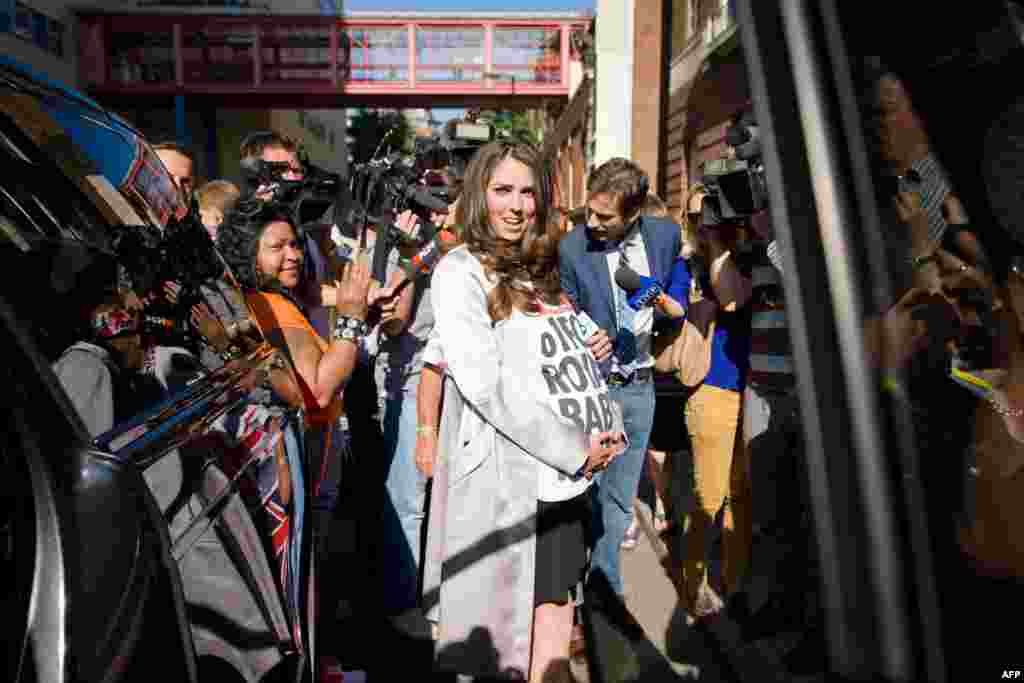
x,y
917,262
350,329
893,387
425,429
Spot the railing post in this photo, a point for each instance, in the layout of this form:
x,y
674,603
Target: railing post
x,y
564,58
179,56
411,33
257,56
333,43
488,54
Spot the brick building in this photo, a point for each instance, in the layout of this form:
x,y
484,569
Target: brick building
x,y
686,78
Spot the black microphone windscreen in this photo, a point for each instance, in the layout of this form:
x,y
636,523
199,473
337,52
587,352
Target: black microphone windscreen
x,y
627,278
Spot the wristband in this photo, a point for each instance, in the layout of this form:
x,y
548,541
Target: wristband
x,y
893,387
425,429
350,329
919,261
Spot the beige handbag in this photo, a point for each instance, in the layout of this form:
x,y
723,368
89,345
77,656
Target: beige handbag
x,y
685,351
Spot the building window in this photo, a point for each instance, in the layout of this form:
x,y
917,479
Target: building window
x,y
23,21
55,37
43,31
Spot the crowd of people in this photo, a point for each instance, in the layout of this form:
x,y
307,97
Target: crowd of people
x,y
513,395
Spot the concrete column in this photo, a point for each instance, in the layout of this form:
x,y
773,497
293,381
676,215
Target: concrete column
x,y
613,98
649,75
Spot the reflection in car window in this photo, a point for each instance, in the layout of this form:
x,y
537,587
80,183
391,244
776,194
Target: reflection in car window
x,y
14,149
9,233
17,208
949,341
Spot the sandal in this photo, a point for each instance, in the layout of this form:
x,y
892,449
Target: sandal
x,y
632,536
661,523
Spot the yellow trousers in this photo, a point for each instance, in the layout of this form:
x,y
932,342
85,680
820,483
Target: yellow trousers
x,y
720,478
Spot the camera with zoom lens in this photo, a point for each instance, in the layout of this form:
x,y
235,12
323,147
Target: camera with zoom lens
x,y
310,198
736,188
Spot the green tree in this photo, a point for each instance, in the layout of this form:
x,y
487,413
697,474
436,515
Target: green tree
x,y
516,125
368,129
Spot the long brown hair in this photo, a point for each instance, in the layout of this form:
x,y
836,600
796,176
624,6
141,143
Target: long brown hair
x,y
534,260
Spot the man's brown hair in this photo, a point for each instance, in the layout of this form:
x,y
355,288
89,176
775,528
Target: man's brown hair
x,y
171,146
254,143
219,195
623,179
654,206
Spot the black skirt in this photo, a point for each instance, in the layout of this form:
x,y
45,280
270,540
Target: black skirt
x,y
562,540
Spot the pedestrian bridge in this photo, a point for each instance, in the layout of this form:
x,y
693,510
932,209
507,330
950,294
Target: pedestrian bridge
x,y
247,58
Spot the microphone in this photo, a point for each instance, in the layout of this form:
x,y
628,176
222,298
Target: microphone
x,y
423,262
644,291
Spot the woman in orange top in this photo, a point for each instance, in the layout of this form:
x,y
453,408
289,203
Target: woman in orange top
x,y
262,248
265,254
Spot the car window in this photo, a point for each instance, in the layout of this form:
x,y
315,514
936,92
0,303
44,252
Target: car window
x,y
896,157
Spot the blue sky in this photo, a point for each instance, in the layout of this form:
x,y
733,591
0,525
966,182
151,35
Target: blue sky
x,y
468,5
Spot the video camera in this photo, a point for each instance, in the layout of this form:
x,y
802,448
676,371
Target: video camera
x,y
310,197
736,188
183,254
462,139
380,189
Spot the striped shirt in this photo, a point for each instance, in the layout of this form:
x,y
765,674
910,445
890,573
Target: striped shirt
x,y
771,359
928,179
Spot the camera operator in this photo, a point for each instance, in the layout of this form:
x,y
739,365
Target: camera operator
x,y
779,588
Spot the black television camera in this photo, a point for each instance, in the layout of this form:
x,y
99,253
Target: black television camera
x,y
462,139
736,188
380,189
183,254
310,198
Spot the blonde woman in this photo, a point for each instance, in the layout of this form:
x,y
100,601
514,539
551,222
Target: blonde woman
x,y
713,411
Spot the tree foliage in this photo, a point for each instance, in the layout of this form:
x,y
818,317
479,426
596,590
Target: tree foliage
x,y
516,125
368,128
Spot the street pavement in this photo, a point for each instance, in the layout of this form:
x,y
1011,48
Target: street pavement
x,y
648,641
675,651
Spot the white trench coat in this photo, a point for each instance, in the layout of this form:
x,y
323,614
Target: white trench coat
x,y
481,543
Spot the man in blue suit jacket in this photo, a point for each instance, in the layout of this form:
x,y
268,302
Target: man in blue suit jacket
x,y
588,258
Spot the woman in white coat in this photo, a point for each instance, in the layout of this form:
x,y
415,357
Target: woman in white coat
x,y
526,422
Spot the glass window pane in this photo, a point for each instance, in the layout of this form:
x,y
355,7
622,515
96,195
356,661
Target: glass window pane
x,y
293,53
379,55
218,53
56,38
141,56
530,55
452,54
23,21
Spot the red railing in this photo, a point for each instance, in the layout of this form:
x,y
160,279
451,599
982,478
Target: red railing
x,y
162,54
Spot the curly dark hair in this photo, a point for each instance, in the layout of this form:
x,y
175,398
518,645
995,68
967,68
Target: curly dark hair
x,y
535,259
238,239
